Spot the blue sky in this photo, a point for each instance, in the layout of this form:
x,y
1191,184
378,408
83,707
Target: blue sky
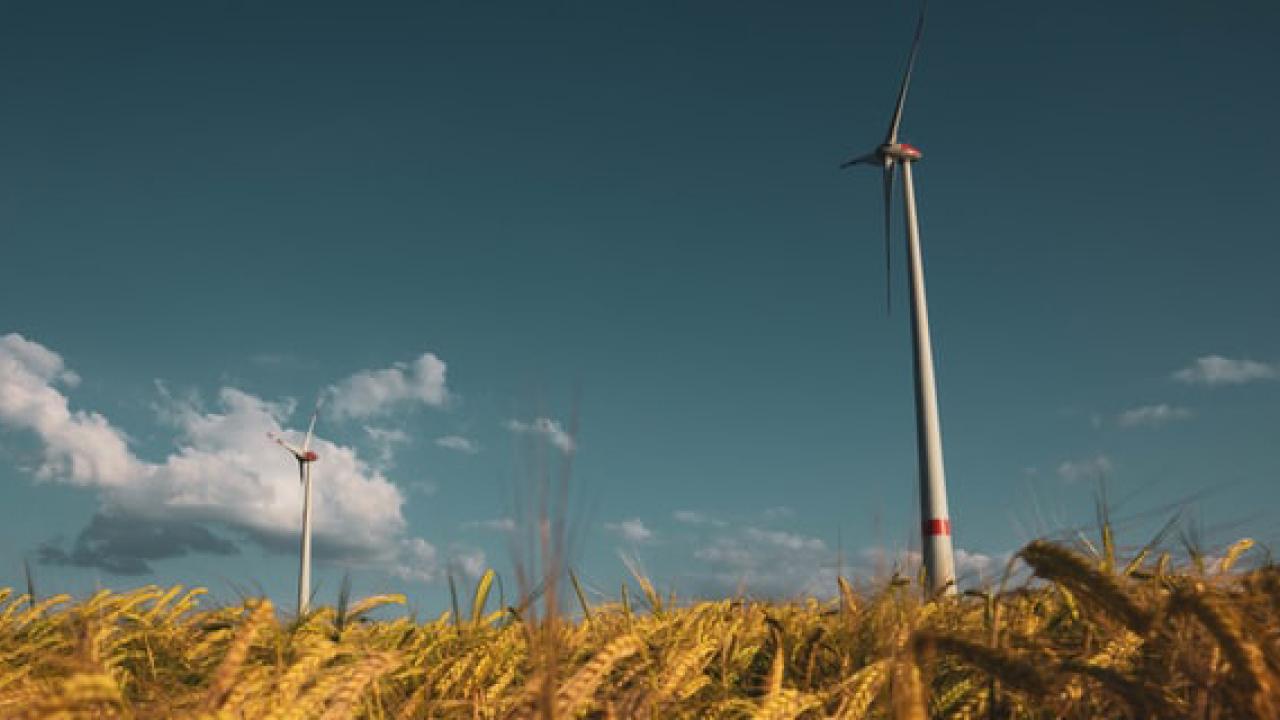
x,y
476,222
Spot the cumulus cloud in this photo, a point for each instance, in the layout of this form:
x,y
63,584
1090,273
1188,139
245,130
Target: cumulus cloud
x,y
1218,370
1152,415
789,541
547,428
123,546
375,392
978,564
459,444
632,530
80,447
467,560
222,472
385,441
765,563
418,561
1088,469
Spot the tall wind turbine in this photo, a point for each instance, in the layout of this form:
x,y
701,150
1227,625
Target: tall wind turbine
x,y
891,156
305,456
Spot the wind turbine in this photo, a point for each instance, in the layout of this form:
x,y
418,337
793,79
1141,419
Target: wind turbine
x,y
305,456
935,526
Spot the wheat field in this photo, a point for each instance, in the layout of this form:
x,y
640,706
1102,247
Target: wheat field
x,y
1085,637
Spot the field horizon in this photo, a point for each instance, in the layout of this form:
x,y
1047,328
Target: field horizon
x,y
1086,634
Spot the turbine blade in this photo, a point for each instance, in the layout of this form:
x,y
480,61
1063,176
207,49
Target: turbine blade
x,y
302,473
280,441
892,137
306,444
861,160
888,215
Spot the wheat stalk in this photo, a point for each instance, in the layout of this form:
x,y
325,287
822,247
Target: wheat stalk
x,y
237,653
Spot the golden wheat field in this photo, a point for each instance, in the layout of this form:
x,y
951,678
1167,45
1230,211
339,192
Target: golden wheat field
x,y
1086,637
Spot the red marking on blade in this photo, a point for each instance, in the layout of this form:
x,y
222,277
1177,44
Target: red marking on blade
x,y
937,526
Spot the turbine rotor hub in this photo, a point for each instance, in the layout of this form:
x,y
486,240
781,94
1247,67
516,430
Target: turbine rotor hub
x,y
901,152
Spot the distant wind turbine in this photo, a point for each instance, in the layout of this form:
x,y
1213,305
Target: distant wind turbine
x,y
305,456
935,528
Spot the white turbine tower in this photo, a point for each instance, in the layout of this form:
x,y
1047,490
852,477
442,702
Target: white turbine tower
x,y
305,456
935,527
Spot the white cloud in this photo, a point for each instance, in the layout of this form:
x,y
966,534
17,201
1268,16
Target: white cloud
x,y
978,564
632,530
223,471
730,554
547,428
386,435
418,561
693,517
1152,415
384,441
80,447
790,541
470,561
501,524
1218,370
764,563
1089,469
458,443
374,392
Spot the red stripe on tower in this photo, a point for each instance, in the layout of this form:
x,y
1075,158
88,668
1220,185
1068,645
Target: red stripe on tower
x,y
937,526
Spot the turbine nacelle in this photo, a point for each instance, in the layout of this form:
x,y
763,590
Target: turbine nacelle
x,y
302,455
902,152
887,155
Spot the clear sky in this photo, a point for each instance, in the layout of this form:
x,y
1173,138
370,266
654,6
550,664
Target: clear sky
x,y
452,219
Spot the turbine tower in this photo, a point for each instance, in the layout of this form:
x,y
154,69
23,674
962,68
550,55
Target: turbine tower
x,y
935,525
305,456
